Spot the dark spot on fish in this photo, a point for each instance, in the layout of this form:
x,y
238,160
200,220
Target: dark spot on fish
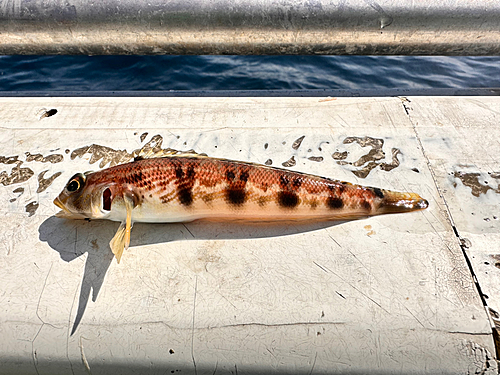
x,y
297,183
262,201
207,198
314,204
185,183
244,176
284,181
366,205
150,195
190,172
288,199
334,203
268,162
341,188
230,175
415,170
185,196
137,177
87,219
164,198
266,146
179,173
236,196
106,200
138,158
378,192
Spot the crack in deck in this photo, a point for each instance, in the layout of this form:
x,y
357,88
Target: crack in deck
x,y
461,240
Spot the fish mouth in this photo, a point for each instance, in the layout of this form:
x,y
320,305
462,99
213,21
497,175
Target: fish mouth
x,y
60,204
422,204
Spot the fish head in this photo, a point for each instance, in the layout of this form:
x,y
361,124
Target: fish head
x,y
82,199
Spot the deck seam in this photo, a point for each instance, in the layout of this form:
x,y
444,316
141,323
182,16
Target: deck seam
x,y
461,241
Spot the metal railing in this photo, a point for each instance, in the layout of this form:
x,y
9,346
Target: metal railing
x,y
385,27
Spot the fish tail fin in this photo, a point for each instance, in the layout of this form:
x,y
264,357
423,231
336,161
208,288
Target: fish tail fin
x,y
396,202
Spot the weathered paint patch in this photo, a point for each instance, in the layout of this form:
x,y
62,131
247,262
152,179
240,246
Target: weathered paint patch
x,y
9,159
340,155
373,159
107,155
44,183
31,208
395,161
316,158
16,176
296,144
289,163
19,191
54,158
471,180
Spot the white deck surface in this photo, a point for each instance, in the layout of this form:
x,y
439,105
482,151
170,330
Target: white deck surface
x,y
388,294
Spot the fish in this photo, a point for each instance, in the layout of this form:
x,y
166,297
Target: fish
x,y
187,187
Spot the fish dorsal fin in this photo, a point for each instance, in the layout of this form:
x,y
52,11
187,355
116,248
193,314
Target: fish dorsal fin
x,y
166,153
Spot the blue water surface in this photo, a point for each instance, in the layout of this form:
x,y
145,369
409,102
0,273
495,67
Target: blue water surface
x,y
115,73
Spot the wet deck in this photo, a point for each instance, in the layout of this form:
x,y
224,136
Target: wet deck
x,y
391,294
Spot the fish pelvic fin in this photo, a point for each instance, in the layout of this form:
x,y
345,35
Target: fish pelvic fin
x,y
121,239
118,242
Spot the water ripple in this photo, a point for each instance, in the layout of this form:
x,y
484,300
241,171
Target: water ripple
x,y
112,73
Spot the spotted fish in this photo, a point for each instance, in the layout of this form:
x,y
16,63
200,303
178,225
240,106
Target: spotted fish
x,y
191,187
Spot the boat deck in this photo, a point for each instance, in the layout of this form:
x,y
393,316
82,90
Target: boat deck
x,y
408,293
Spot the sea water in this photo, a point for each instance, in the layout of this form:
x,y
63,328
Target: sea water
x,y
112,73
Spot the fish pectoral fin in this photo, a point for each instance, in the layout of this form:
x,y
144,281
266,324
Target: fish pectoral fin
x,y
121,240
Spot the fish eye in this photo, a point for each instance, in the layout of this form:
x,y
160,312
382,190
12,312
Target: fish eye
x,y
73,186
75,183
